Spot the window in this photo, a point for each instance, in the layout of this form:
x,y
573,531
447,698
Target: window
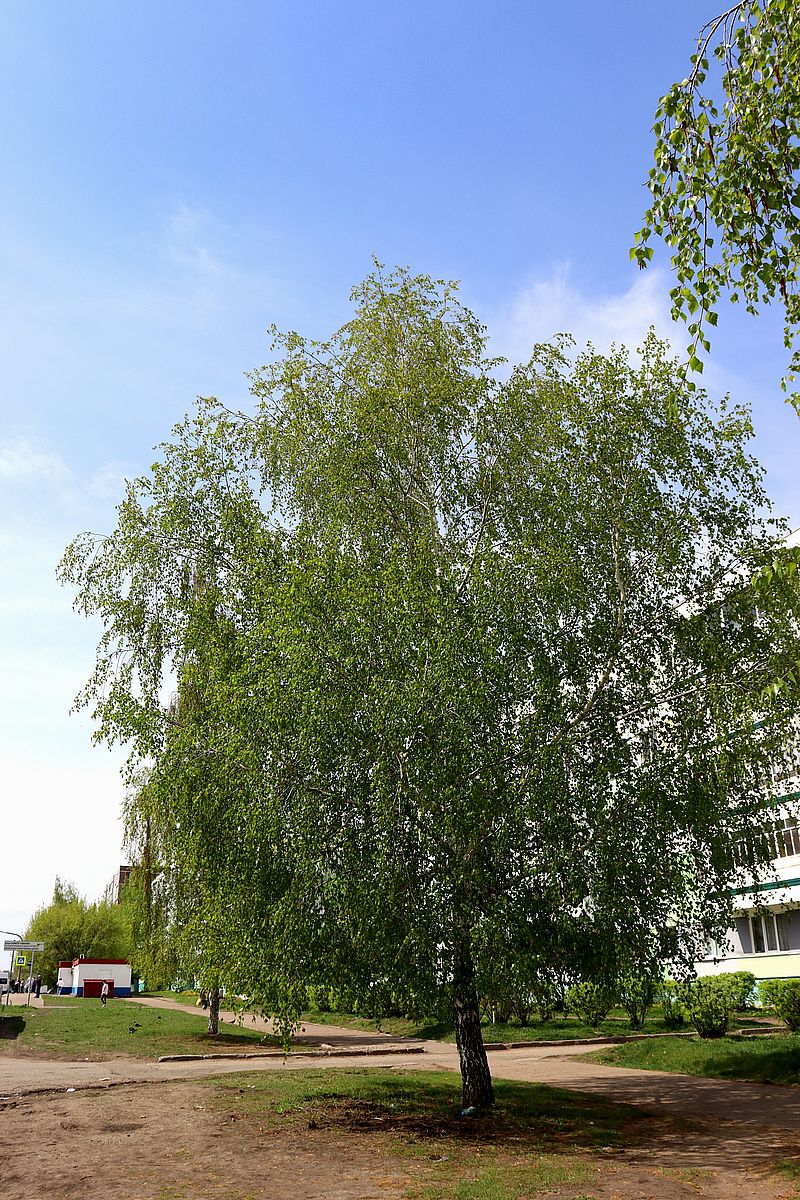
x,y
788,766
779,839
770,932
787,837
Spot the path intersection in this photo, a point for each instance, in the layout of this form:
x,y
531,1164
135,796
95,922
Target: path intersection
x,y
747,1104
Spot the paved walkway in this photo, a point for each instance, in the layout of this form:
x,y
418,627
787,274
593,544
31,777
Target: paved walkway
x,y
19,998
755,1106
330,1035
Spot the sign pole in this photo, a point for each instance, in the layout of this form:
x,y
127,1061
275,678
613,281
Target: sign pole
x,y
21,950
9,946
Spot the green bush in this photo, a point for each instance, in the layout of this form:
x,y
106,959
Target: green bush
x,y
319,999
534,992
668,996
784,996
592,1002
507,995
709,1002
544,996
342,1000
399,1006
637,995
742,988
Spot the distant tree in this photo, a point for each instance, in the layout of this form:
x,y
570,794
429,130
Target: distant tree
x,y
172,936
470,661
725,186
72,928
148,902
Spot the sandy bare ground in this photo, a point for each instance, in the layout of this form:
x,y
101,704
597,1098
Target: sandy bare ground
x,y
171,1141
165,1142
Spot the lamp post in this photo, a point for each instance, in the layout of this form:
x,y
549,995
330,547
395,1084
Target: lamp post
x,y
8,989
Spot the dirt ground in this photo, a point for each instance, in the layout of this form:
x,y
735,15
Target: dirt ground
x,y
183,1141
141,1130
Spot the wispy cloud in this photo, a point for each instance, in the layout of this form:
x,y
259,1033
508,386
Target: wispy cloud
x,y
188,231
544,307
108,482
33,473
24,460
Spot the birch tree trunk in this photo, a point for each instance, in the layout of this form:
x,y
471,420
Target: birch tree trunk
x,y
213,1011
476,1078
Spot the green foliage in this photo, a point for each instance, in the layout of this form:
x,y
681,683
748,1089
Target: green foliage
x,y
668,995
521,988
725,184
176,929
637,994
343,1000
784,996
517,982
441,642
71,928
742,988
592,1002
154,954
545,996
318,999
559,1028
709,1002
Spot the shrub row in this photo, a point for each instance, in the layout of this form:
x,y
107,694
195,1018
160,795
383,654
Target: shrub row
x,y
708,1003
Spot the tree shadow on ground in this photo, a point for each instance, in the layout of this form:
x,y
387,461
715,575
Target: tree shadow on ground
x,y
242,1041
421,1112
422,1107
772,1066
11,1027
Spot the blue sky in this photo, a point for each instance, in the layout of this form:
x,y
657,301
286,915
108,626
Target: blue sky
x,y
178,176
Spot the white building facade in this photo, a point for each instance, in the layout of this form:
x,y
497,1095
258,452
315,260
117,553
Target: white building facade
x,y
765,938
86,976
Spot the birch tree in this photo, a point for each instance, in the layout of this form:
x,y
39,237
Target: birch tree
x,y
725,184
475,672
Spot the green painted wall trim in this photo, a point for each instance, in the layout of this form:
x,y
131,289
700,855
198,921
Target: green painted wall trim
x,y
771,803
766,887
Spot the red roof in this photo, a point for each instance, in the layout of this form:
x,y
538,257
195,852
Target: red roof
x,y
102,962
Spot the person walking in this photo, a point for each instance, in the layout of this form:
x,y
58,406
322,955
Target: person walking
x,y
104,993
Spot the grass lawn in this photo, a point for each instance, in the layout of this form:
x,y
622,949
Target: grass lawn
x,y
71,1027
559,1029
187,997
539,1138
766,1059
